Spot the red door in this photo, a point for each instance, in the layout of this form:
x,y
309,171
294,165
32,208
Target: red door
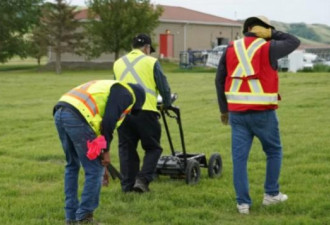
x,y
166,42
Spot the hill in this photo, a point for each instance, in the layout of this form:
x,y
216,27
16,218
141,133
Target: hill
x,y
309,34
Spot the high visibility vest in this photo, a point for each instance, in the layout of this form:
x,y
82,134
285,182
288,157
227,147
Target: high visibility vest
x,y
90,100
251,83
136,67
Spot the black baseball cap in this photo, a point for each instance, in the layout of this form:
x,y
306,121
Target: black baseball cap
x,y
142,39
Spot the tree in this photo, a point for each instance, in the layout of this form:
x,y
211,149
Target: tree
x,y
38,44
113,23
16,18
59,24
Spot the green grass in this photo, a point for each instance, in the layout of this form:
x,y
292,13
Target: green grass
x,y
17,63
32,161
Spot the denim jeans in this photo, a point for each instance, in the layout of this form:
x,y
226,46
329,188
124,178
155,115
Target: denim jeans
x,y
74,132
263,125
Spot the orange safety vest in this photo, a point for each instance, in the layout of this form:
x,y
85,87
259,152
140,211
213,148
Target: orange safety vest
x,y
251,82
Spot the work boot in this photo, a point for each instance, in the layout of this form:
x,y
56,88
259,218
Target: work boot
x,y
88,220
70,222
272,200
140,186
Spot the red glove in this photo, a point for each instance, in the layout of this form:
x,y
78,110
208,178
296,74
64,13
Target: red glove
x,y
95,147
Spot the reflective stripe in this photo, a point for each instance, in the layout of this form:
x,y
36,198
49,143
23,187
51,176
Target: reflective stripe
x,y
255,86
130,68
87,85
129,108
244,67
248,98
242,56
236,84
85,98
127,111
256,44
238,71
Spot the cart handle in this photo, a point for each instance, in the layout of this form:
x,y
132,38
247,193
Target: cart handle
x,y
173,108
174,96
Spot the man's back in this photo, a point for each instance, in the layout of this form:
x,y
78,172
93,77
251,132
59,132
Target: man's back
x,y
136,67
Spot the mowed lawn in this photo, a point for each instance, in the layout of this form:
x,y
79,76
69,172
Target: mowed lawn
x,y
32,162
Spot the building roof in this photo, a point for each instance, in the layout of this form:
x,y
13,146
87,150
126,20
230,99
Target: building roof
x,y
176,14
184,15
82,14
314,46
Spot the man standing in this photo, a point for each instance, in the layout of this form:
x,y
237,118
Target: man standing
x,y
138,67
247,88
85,118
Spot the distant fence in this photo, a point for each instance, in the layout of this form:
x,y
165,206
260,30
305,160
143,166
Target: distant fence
x,y
323,53
79,65
189,59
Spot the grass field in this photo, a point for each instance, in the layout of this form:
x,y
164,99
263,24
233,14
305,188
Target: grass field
x,y
32,161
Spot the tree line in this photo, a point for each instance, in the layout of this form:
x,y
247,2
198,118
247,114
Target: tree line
x,y
32,27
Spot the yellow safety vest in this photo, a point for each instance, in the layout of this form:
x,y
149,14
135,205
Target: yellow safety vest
x,y
90,100
136,67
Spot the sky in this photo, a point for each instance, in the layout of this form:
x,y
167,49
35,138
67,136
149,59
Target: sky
x,y
288,11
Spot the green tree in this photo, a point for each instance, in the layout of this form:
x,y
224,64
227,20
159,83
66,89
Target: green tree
x,y
16,18
113,24
37,44
62,29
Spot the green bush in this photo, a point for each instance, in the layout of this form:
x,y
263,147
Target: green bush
x,y
321,68
317,68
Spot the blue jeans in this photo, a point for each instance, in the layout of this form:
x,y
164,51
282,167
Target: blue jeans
x,y
263,125
74,133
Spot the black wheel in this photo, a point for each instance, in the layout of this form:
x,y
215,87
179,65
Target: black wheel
x,y
215,165
193,172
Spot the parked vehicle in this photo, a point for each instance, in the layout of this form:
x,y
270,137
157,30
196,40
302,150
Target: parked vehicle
x,y
200,57
219,48
297,60
213,57
309,59
216,50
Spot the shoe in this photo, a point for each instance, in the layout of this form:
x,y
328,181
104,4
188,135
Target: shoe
x,y
70,222
243,208
87,220
140,186
271,200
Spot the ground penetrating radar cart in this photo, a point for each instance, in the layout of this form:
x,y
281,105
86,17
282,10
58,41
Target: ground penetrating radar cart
x,y
180,164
